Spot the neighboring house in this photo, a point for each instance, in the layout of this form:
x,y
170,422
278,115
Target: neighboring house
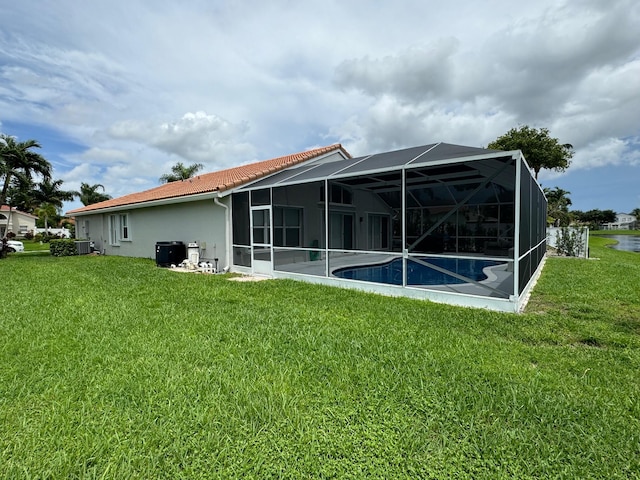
x,y
15,221
624,221
449,223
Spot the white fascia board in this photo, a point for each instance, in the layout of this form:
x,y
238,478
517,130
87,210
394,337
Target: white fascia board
x,y
152,203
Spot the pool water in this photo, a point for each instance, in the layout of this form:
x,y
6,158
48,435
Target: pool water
x,y
418,274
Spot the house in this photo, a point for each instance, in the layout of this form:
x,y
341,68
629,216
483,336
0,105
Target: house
x,y
15,221
195,210
624,221
449,223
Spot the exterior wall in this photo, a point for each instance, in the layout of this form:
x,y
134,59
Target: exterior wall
x,y
366,203
203,222
18,223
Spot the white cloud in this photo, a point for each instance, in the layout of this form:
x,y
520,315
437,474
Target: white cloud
x,y
413,75
104,155
601,154
608,151
198,137
268,78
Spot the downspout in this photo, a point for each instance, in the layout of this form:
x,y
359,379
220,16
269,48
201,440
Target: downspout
x,y
227,216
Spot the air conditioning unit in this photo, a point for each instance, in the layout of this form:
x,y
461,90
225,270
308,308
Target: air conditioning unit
x,y
83,246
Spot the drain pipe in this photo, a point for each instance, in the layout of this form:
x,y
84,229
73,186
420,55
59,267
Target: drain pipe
x,y
227,218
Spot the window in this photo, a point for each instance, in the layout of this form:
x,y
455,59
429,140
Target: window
x,y
287,226
124,227
338,194
261,227
119,229
23,229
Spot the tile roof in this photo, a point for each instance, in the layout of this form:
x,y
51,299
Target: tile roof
x,y
215,181
6,208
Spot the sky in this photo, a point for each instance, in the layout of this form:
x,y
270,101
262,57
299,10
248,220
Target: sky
x,y
117,91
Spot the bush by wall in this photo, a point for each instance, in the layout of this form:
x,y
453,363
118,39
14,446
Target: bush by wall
x,y
570,242
63,248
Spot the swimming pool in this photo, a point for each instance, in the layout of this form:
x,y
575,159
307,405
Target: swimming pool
x,y
418,274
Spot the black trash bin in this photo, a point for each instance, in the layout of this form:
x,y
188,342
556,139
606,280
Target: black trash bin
x,y
170,253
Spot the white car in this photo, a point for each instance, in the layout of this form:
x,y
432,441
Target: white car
x,y
15,246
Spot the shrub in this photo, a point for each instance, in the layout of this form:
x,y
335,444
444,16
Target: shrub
x,y
47,237
570,242
28,236
63,248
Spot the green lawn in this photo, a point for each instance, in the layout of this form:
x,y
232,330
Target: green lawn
x,y
113,368
614,232
34,247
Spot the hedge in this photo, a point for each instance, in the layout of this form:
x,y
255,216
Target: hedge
x,y
63,248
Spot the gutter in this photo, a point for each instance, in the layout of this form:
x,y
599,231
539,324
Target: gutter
x,y
150,203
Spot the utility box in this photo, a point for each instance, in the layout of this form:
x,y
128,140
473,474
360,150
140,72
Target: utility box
x,y
170,253
83,247
193,253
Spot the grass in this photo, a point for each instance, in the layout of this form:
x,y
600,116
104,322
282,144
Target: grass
x,y
32,247
614,232
113,368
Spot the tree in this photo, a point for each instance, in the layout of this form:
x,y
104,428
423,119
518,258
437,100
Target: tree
x,y
20,194
89,194
539,149
595,218
180,172
49,193
45,212
17,158
558,206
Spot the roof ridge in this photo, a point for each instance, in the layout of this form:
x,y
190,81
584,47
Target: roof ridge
x,y
216,181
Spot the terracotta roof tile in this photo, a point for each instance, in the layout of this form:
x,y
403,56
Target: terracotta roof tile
x,y
6,208
213,182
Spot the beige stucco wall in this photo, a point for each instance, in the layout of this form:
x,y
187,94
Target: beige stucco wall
x,y
12,222
201,221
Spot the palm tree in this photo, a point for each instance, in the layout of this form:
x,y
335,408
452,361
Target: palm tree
x,y
558,205
49,193
45,212
180,172
89,194
20,193
16,158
